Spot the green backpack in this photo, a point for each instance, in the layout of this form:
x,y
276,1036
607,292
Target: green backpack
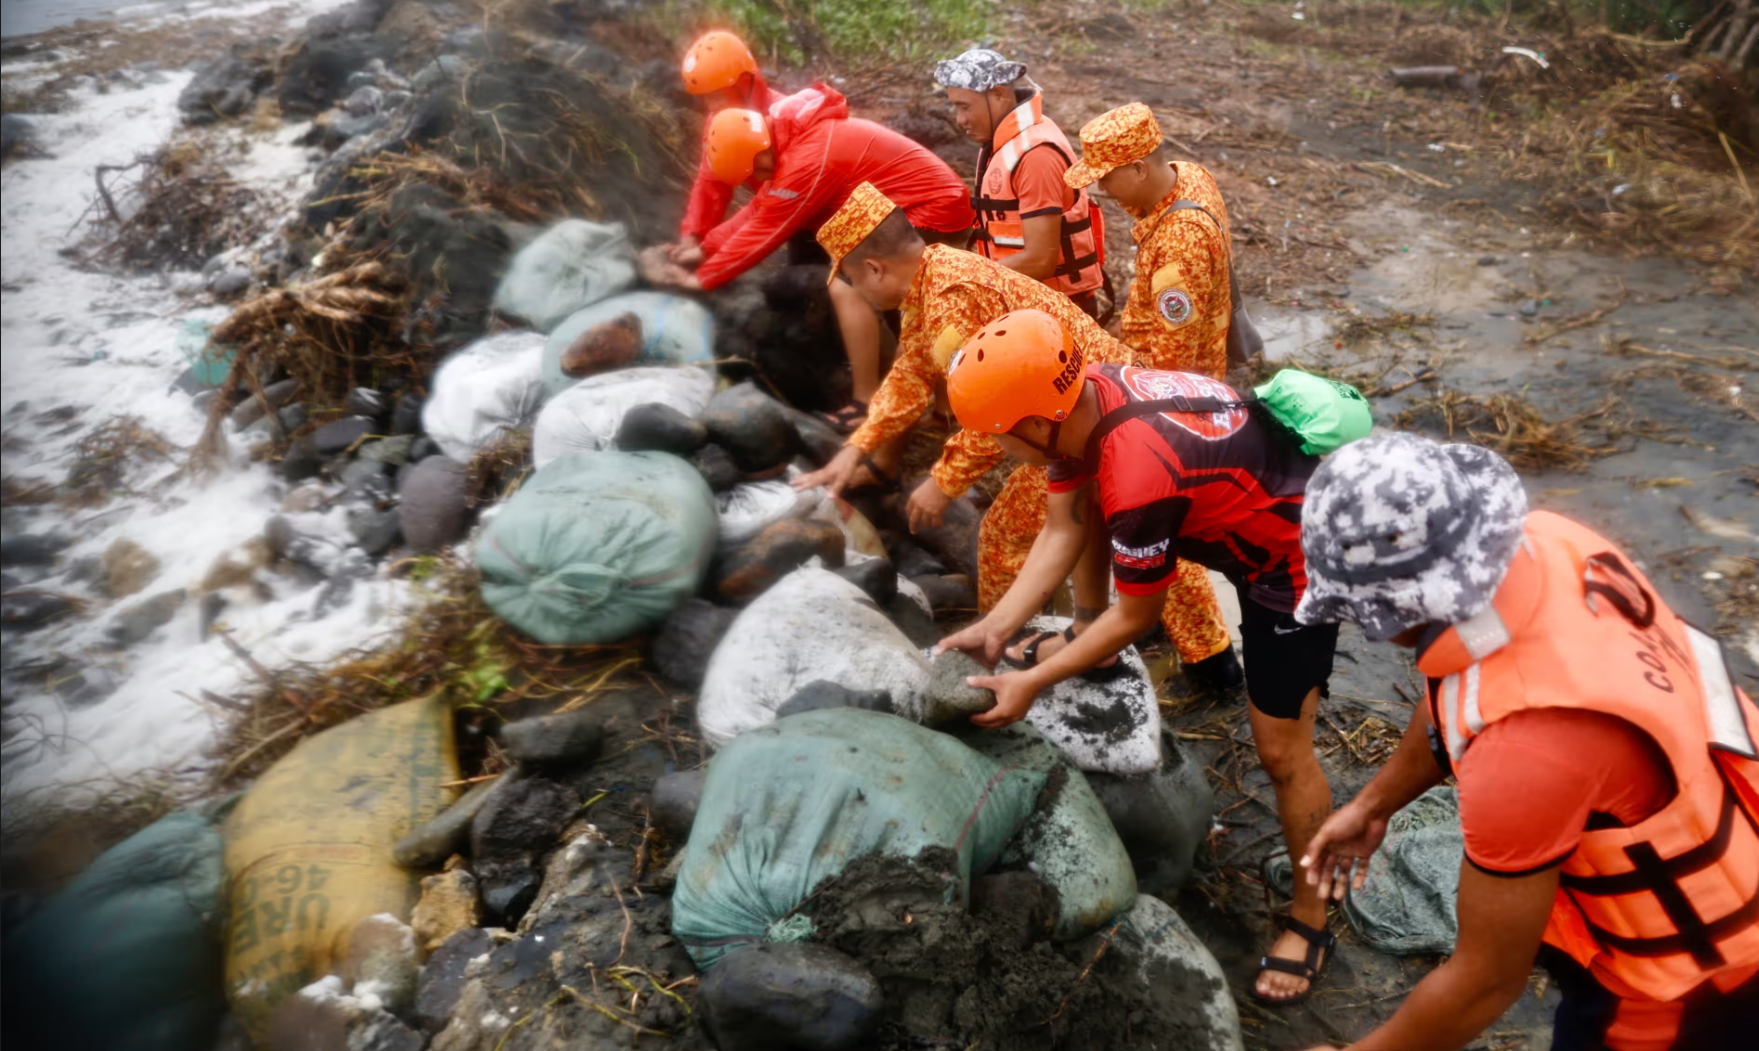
x,y
1318,414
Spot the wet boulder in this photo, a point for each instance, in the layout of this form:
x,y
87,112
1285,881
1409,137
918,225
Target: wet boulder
x,y
687,639
751,426
916,623
315,77
445,974
876,576
434,507
143,618
817,439
254,408
29,610
800,996
568,739
448,832
321,1017
373,529
750,569
949,699
509,838
338,436
954,541
673,802
226,87
614,344
660,428
301,460
952,592
32,549
716,466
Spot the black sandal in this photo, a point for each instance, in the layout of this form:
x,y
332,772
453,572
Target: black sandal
x,y
1310,967
847,419
1029,658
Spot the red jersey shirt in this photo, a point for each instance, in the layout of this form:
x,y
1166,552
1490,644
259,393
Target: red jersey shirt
x,y
1218,489
821,154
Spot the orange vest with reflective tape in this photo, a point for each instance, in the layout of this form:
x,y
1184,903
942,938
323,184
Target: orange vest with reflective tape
x,y
1001,231
1665,904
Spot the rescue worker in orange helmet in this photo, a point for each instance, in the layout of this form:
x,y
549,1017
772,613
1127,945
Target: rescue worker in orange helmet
x,y
808,153
1607,765
1154,468
720,69
1028,218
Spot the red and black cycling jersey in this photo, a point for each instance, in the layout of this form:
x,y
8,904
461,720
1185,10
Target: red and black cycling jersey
x,y
1219,489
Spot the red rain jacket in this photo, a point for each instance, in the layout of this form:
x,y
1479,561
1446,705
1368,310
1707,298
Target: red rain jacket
x,y
709,196
821,155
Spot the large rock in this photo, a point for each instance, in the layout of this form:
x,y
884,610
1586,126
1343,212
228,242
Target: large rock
x,y
799,995
128,567
447,971
954,541
716,466
674,801
751,426
660,428
29,610
510,836
32,549
817,439
614,344
569,739
876,576
448,904
949,700
448,832
948,593
752,568
226,87
143,618
338,436
687,640
434,507
254,408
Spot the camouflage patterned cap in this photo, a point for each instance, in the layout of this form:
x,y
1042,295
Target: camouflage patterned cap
x,y
979,69
860,215
1116,137
1399,531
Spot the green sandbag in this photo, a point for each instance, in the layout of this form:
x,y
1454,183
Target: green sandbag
x,y
1326,414
598,546
791,804
1070,841
128,956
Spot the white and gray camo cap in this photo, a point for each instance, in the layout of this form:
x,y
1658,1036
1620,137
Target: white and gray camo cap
x,y
979,69
1399,531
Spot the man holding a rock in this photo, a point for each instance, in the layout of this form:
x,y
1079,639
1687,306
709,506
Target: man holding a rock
x,y
1160,485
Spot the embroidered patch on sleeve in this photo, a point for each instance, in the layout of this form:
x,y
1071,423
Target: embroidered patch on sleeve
x,y
946,345
1174,305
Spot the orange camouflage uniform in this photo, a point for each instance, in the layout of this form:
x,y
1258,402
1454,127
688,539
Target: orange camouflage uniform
x,y
1176,315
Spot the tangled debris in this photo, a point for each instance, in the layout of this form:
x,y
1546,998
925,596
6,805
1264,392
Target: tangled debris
x,y
180,211
102,459
1514,428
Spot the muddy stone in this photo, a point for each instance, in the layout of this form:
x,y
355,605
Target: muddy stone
x,y
799,997
1162,816
128,568
749,570
443,977
601,348
955,979
947,592
339,435
687,640
818,439
660,428
448,832
949,700
570,739
751,426
433,503
875,576
381,957
509,837
448,904
674,801
716,466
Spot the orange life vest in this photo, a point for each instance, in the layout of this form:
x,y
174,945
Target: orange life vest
x,y
1000,229
1664,905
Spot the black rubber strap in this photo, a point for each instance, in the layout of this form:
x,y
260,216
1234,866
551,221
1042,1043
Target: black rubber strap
x,y
1123,414
1674,869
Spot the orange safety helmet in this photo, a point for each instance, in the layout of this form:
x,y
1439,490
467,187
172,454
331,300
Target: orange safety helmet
x,y
716,62
1022,364
735,138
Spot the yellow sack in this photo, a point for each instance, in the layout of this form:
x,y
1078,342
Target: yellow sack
x,y
308,849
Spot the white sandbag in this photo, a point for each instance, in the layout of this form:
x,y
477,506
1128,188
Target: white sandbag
x,y
585,417
747,508
572,265
1109,727
490,387
811,625
675,330
1168,958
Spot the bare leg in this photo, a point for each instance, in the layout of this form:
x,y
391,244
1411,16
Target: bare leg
x,y
860,325
1092,579
1285,748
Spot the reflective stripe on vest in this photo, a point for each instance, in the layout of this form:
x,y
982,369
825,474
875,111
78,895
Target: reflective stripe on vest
x,y
1000,226
1663,905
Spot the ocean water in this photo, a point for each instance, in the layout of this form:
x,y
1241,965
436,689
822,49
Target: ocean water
x,y
20,17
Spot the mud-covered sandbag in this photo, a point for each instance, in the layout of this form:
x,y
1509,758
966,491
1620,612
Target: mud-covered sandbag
x,y
1162,816
1169,960
791,804
811,625
572,265
598,546
585,416
308,848
1069,841
673,330
128,957
1112,726
490,387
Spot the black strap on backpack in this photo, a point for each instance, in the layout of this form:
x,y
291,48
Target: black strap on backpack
x,y
1135,410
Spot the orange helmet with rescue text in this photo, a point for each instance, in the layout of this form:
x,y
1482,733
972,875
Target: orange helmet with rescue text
x,y
716,62
1022,364
735,138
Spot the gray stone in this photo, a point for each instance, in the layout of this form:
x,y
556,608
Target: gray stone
x,y
422,448
448,833
365,99
947,592
338,435
406,416
751,426
818,439
143,618
15,133
388,450
917,626
230,283
292,417
949,700
214,603
29,610
444,68
876,576
252,408
687,640
301,460
368,481
798,995
660,428
86,687
381,959
569,739
913,562
311,496
673,803
224,88
433,502
444,976
822,693
365,401
373,529
716,466
509,836
32,549
1529,308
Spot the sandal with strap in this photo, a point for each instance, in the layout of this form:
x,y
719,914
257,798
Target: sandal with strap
x,y
1321,947
847,419
1029,657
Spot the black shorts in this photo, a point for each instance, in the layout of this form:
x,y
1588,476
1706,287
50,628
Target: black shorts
x,y
1284,658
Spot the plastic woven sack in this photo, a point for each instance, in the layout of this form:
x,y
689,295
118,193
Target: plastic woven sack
x,y
791,804
1326,414
490,387
585,417
675,330
128,956
572,265
1154,938
598,546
